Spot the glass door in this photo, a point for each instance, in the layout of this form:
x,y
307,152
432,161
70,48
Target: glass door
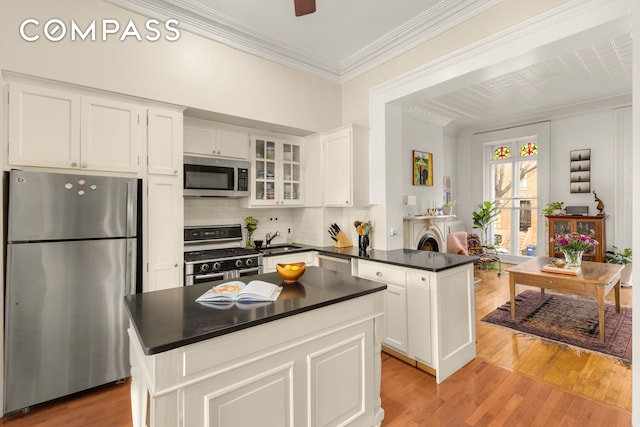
x,y
291,173
265,170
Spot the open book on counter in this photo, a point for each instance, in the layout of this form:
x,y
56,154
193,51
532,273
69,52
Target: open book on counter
x,y
256,290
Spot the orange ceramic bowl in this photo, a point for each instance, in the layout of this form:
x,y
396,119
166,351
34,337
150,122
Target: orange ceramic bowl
x,y
291,272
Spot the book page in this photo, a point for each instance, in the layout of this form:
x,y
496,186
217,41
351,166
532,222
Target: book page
x,y
226,291
257,290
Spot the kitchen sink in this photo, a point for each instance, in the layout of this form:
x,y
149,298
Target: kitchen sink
x,y
277,249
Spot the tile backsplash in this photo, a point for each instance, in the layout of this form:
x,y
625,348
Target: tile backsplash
x,y
306,224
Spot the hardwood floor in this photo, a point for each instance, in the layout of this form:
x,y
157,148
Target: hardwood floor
x,y
514,381
587,374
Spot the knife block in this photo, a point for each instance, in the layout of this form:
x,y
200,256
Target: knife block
x,y
342,241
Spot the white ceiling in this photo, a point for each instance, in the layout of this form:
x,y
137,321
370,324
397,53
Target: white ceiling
x,y
345,38
339,41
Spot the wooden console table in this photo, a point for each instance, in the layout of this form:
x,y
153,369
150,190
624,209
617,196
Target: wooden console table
x,y
595,280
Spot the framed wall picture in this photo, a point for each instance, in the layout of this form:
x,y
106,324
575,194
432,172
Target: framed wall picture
x,y
580,171
422,168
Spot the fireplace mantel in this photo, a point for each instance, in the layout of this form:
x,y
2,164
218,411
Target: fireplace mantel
x,y
435,226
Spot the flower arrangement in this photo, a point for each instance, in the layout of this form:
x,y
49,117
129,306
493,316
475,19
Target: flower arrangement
x,y
574,242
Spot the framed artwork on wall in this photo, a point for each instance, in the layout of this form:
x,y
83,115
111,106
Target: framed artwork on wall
x,y
422,168
580,171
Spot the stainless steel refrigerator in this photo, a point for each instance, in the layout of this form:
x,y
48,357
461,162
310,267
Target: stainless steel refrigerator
x,y
71,258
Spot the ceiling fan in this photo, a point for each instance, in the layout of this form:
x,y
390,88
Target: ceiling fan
x,y
304,7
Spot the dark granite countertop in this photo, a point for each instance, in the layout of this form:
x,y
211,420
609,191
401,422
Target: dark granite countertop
x,y
171,318
411,258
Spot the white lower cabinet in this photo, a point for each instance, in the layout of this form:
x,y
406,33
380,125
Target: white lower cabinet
x,y
429,316
269,263
396,333
419,317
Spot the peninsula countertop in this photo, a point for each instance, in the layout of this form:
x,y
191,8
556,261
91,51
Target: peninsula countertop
x,y
410,258
171,318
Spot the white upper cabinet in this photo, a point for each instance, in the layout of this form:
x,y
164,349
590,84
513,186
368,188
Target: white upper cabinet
x,y
44,127
205,138
276,172
232,144
49,127
110,135
164,142
346,167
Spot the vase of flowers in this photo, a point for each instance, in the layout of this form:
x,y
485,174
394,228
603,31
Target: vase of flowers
x,y
573,245
251,224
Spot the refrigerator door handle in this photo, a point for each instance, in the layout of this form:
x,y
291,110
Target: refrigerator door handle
x,y
130,276
132,193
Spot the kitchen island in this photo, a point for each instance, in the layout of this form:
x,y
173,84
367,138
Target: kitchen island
x,y
310,358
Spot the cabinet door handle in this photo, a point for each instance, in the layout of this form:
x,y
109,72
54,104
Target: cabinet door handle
x,y
424,279
379,274
176,265
175,171
84,165
346,202
74,165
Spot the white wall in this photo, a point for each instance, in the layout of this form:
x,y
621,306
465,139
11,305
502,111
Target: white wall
x,y
192,71
593,130
425,137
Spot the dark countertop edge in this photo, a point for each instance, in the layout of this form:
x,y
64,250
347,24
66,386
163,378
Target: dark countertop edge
x,y
149,351
329,250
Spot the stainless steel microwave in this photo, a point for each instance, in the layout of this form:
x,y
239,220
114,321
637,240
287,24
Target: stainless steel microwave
x,y
209,177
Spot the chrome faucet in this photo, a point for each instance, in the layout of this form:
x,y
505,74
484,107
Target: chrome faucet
x,y
270,237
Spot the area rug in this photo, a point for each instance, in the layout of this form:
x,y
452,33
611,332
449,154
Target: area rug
x,y
569,321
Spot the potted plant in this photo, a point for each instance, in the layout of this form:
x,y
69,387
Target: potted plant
x,y
554,208
448,206
623,257
485,216
251,224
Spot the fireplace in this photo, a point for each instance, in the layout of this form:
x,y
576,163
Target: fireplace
x,y
428,242
429,233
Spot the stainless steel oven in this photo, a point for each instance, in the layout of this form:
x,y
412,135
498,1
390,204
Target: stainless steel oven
x,y
214,253
209,177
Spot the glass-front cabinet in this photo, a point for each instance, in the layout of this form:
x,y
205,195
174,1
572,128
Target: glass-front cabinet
x,y
276,172
592,226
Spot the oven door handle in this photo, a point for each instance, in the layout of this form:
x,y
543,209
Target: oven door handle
x,y
250,270
209,276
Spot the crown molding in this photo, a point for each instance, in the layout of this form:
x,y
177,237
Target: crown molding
x,y
444,16
209,23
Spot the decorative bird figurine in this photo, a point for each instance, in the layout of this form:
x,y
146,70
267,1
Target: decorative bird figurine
x,y
600,205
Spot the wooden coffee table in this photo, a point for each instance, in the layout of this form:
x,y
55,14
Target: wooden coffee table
x,y
595,280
